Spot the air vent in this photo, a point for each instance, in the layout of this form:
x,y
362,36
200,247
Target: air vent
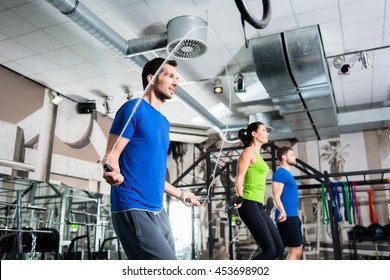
x,y
187,36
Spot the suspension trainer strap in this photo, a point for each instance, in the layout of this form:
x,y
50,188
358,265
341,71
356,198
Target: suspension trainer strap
x,y
359,219
336,201
325,211
347,204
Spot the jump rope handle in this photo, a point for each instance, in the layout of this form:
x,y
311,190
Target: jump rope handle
x,y
107,167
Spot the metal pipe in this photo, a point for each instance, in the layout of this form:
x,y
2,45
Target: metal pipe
x,y
16,165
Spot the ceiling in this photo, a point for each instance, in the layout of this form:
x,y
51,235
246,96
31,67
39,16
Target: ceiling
x,y
45,45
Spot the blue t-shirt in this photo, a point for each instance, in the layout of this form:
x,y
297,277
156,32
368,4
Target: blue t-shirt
x,y
144,159
289,196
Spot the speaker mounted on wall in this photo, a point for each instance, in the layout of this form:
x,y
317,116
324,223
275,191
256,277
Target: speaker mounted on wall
x,y
87,107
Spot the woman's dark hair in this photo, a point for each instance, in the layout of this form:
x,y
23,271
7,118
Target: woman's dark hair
x,y
152,66
245,135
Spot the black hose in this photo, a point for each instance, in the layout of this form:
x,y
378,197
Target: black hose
x,y
252,20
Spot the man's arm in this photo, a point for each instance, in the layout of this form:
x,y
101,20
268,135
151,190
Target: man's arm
x,y
115,146
188,198
277,189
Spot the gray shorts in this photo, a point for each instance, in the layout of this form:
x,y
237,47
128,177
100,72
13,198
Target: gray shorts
x,y
145,235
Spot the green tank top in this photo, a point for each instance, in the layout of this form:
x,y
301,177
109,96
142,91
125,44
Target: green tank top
x,y
255,180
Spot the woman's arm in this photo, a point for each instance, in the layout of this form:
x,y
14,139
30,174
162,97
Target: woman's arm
x,y
242,166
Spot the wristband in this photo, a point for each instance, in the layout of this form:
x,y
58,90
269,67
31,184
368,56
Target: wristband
x,y
239,200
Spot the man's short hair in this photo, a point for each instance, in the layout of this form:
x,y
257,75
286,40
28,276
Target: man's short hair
x,y
152,66
282,151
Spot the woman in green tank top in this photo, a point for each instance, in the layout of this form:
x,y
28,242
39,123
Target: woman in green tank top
x,y
250,186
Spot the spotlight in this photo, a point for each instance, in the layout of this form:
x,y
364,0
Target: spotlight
x,y
338,61
55,98
365,59
107,104
87,107
345,68
217,85
129,95
239,83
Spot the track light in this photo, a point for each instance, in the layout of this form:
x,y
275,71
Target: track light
x,y
239,83
338,61
345,67
55,97
217,85
365,59
129,95
107,104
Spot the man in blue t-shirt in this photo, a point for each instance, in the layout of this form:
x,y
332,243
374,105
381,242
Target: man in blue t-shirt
x,y
135,165
285,193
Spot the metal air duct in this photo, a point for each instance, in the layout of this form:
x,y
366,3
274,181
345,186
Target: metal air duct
x,y
293,70
193,45
132,49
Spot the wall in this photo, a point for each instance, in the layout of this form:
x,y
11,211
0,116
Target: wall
x,y
59,143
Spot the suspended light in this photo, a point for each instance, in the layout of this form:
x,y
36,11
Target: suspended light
x,y
239,83
338,61
365,59
129,95
217,85
107,102
55,97
345,67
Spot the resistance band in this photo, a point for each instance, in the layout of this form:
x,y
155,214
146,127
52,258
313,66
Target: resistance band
x,y
325,211
354,203
373,218
336,200
347,205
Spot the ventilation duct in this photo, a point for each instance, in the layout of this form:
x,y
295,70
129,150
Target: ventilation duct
x,y
132,49
292,67
189,28
185,38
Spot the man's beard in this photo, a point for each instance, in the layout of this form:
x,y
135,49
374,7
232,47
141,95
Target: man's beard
x,y
163,96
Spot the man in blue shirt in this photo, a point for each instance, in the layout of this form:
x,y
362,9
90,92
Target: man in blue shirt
x,y
285,193
135,166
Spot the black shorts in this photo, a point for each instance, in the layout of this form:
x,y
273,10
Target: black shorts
x,y
290,231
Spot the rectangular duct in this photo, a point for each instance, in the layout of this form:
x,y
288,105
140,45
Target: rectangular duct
x,y
293,69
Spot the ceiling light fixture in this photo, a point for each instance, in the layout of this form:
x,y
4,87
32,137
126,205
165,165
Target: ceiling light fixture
x,y
338,61
107,102
217,85
345,68
129,95
55,97
365,59
239,83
